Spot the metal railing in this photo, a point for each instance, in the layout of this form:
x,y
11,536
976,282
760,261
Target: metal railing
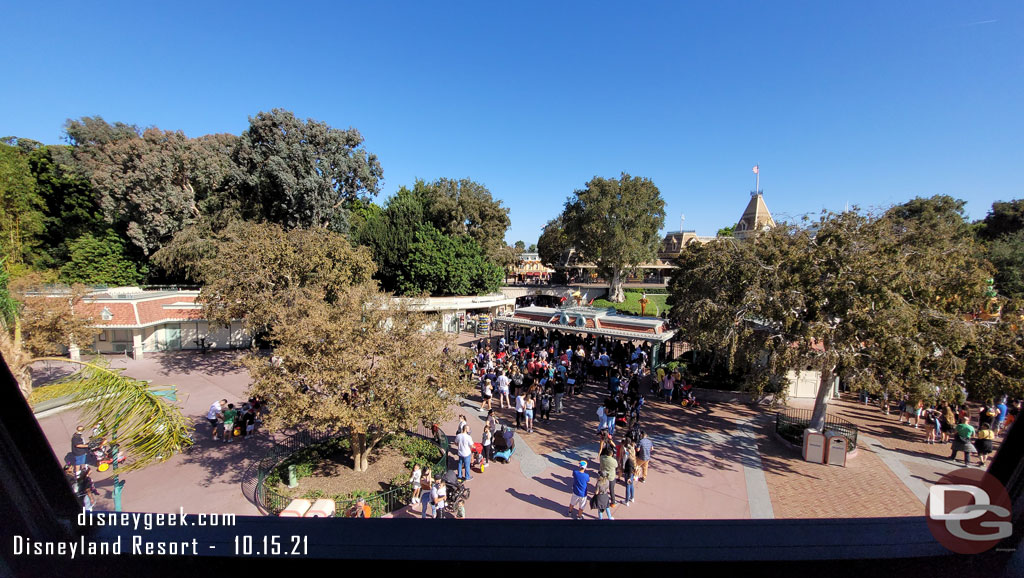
x,y
272,502
791,423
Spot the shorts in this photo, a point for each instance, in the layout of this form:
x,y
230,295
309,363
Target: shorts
x,y
577,502
213,422
486,397
529,414
80,460
503,390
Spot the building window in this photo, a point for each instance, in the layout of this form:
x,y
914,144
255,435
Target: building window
x,y
103,335
106,314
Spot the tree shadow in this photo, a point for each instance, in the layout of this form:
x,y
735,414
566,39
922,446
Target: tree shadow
x,y
188,362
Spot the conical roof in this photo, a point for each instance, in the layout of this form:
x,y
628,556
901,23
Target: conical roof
x,y
756,217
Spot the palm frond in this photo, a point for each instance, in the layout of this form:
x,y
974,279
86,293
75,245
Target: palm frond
x,y
144,424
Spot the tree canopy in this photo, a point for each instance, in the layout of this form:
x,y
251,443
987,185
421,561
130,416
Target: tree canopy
x,y
298,173
614,223
361,365
261,269
438,264
877,299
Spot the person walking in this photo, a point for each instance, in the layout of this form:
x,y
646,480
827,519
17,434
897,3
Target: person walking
x,y
230,415
962,441
983,442
578,494
644,455
487,393
465,448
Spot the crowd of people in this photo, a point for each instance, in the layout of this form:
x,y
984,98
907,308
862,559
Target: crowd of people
x,y
952,423
536,373
228,421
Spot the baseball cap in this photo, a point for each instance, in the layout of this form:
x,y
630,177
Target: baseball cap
x,y
583,463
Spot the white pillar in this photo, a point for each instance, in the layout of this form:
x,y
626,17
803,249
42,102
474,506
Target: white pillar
x,y
137,343
74,352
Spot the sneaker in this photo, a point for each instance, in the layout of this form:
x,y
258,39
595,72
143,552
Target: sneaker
x,y
628,503
467,479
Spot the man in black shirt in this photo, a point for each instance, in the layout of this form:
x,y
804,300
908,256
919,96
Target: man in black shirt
x,y
79,449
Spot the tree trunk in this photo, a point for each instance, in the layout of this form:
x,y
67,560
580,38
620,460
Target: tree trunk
x,y
821,401
360,454
615,292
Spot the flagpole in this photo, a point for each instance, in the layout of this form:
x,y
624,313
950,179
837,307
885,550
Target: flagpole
x,y
757,183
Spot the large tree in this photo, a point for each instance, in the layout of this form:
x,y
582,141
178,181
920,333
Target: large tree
x,y
876,299
21,208
361,365
411,235
260,268
298,173
441,265
552,243
150,183
614,223
100,260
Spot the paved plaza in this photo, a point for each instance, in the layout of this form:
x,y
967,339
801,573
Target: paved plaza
x,y
722,461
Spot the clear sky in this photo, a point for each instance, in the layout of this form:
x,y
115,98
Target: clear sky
x,y
868,103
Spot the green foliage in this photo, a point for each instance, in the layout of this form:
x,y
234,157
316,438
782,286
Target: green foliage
x,y
726,231
418,450
21,209
614,224
553,243
146,426
299,173
878,298
101,261
306,459
649,291
1004,218
443,265
1006,253
437,238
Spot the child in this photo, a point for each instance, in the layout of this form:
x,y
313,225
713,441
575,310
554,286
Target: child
x,y
415,481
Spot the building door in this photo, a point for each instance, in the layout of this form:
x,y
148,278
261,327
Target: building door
x,y
172,336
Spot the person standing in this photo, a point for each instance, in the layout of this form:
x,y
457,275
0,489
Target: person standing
x,y
629,471
487,443
215,413
503,383
644,455
520,408
983,442
610,470
528,406
559,393
488,392
602,499
426,485
1001,418
438,495
79,449
465,446
578,498
230,415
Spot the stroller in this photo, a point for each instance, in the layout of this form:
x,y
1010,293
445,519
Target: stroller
x,y
689,400
456,492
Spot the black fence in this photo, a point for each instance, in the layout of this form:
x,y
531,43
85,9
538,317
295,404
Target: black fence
x,y
791,423
272,502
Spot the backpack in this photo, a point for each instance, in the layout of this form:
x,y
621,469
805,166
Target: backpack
x,y
545,403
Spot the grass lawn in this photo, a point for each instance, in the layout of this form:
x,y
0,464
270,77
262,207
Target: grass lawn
x,y
655,304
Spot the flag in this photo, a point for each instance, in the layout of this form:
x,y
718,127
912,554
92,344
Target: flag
x,y
755,169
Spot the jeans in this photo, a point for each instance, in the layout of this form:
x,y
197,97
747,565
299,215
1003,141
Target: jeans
x,y
630,487
464,462
611,489
600,514
425,500
611,425
603,424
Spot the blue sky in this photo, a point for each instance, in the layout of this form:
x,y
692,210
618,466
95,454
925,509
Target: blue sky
x,y
867,103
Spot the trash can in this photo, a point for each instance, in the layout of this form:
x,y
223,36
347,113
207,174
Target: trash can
x,y
814,446
837,445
